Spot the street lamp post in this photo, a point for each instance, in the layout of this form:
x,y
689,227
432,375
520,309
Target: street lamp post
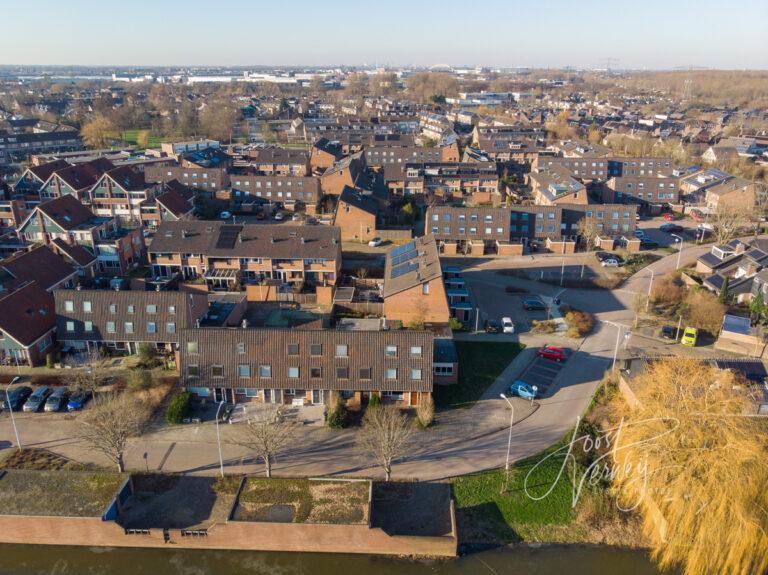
x,y
650,286
218,438
509,441
511,423
10,410
680,240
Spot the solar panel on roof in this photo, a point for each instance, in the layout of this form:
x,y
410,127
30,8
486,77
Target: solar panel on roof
x,y
228,237
402,258
402,249
403,269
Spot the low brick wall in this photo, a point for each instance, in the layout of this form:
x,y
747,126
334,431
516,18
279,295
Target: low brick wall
x,y
234,535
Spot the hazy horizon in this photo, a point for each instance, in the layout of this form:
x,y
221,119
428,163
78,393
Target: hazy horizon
x,y
553,34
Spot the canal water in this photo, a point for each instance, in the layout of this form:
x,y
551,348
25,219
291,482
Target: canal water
x,y
571,560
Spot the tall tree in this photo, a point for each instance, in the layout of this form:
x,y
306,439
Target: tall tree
x,y
98,132
266,434
385,435
110,422
705,468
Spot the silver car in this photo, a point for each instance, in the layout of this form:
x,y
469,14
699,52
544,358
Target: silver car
x,y
36,401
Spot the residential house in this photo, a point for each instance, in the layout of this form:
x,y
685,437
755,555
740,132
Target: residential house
x,y
557,186
35,177
356,216
118,250
349,172
226,255
292,192
414,293
41,265
301,367
741,263
279,161
604,168
119,194
207,181
175,203
324,154
647,191
27,322
735,194
123,320
74,179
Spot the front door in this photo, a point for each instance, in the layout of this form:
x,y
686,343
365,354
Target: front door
x,y
317,396
219,394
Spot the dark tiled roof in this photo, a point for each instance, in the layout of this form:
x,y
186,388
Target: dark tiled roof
x,y
258,240
44,171
366,349
76,253
188,307
67,212
411,264
174,202
85,175
27,313
360,201
128,178
40,265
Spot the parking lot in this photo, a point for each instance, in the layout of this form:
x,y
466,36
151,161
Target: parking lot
x,y
542,373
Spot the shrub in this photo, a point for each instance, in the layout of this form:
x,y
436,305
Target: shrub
x,y
178,407
455,324
49,360
667,291
579,323
337,416
139,379
704,311
543,326
425,412
374,401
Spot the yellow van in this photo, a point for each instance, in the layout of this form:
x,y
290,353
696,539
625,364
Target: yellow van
x,y
690,335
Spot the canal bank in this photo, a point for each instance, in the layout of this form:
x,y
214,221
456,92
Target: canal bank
x,y
547,560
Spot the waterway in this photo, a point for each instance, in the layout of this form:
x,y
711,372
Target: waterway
x,y
573,560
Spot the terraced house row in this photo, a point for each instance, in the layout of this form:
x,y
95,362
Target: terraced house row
x,y
227,255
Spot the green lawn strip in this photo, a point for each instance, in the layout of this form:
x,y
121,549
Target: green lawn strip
x,y
535,506
480,363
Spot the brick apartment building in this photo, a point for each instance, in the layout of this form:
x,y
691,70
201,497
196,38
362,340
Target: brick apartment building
x,y
122,320
303,366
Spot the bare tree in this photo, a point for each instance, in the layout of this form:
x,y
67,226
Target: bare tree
x,y
110,422
266,435
89,375
385,435
728,220
587,229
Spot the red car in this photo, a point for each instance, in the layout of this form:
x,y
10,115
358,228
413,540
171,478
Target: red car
x,y
554,353
669,217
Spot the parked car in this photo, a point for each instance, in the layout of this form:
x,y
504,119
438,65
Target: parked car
x,y
697,215
648,244
533,304
690,336
507,326
521,389
57,401
375,242
669,216
492,326
78,400
602,256
16,397
225,215
551,352
279,216
296,217
610,263
36,401
639,234
669,332
671,228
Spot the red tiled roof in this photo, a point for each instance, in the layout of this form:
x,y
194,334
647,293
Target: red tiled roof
x,y
27,313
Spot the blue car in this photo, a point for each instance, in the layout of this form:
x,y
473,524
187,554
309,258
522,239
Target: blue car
x,y
521,389
78,400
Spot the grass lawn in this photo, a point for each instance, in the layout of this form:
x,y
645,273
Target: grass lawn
x,y
480,363
487,515
131,137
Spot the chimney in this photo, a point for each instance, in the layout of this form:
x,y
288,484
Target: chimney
x,y
303,241
183,233
272,240
244,323
197,323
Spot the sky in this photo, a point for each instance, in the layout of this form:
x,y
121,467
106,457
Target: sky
x,y
639,34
